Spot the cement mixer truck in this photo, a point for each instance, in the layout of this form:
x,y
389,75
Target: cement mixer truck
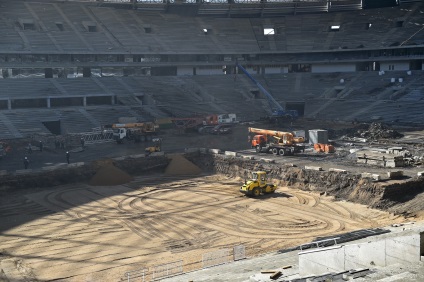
x,y
277,142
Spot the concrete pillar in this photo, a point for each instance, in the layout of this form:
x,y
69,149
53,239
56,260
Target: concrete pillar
x,y
9,104
84,101
48,103
112,100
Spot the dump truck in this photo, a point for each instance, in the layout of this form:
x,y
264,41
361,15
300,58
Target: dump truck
x,y
139,131
257,185
277,142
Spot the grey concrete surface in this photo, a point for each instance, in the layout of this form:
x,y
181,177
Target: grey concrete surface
x,y
249,270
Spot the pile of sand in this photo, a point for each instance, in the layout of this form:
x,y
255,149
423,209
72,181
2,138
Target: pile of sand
x,y
181,166
110,175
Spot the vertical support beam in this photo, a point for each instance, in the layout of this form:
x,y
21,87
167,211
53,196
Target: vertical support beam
x,y
112,100
48,102
9,104
84,101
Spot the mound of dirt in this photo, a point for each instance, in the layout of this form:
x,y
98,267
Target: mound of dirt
x,y
110,175
179,165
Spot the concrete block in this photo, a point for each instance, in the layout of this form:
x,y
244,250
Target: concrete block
x,y
395,174
49,168
375,177
77,164
3,172
290,164
137,156
420,173
248,157
318,168
191,150
403,249
157,154
337,170
267,160
365,255
23,171
320,261
229,153
215,151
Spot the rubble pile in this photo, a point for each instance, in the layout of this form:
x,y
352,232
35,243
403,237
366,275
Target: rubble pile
x,y
374,131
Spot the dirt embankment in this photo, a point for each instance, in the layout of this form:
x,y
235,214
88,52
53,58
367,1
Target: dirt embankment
x,y
344,186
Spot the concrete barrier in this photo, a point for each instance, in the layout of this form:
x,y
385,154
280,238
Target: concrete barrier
x,y
119,158
215,151
420,173
395,174
337,170
375,177
229,153
318,168
290,164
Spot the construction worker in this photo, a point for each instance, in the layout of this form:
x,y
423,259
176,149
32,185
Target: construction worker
x,y
26,162
67,156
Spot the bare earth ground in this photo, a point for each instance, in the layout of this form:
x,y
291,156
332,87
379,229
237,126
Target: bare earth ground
x,y
97,233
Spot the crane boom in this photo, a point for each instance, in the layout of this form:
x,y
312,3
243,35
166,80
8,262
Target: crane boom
x,y
275,106
275,133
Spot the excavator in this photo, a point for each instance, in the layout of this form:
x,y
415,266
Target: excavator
x,y
257,185
277,142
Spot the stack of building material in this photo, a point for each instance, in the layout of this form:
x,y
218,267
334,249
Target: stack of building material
x,y
380,159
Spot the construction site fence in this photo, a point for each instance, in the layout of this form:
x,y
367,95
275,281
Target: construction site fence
x,y
166,270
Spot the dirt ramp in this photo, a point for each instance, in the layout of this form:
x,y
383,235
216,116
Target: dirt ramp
x,y
109,175
179,165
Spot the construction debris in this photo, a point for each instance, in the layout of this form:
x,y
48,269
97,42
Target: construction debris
x,y
380,159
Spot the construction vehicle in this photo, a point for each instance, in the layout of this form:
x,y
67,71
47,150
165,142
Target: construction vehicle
x,y
324,148
157,146
276,142
257,185
277,111
202,123
141,131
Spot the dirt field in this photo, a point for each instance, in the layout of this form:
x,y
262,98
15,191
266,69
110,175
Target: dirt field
x,y
97,233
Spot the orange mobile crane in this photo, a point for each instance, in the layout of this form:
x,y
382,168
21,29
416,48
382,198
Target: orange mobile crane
x,y
276,142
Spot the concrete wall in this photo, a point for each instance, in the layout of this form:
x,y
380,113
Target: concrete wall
x,y
333,67
397,66
273,70
184,70
402,250
209,71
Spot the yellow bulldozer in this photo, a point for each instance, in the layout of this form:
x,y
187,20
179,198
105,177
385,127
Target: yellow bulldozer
x,y
157,146
257,185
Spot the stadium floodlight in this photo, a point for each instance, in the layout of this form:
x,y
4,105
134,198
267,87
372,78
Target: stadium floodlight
x,y
269,31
